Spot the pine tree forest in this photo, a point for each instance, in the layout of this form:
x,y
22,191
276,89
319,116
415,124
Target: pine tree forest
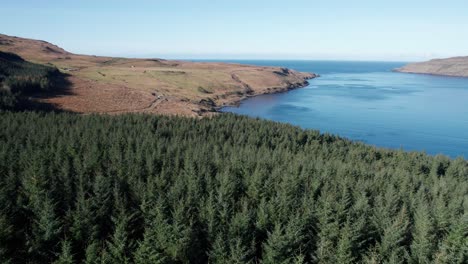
x,y
228,189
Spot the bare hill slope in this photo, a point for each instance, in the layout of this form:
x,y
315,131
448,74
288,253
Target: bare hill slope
x,y
120,85
457,66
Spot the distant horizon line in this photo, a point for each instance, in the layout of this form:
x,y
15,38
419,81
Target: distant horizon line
x,y
220,59
284,59
403,58
211,57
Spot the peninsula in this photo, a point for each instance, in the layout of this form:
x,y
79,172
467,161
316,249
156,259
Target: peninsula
x,y
456,66
122,85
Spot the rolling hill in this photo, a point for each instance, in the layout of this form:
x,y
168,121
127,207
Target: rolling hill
x,y
457,67
120,85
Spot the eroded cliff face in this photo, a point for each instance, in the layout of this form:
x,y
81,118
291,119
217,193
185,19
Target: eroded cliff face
x,y
457,66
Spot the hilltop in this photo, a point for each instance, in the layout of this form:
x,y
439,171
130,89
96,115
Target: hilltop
x,y
119,85
457,66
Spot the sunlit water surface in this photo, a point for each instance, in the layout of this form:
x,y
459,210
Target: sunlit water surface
x,y
368,102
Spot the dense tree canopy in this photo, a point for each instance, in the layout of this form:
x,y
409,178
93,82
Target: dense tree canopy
x,y
230,189
19,78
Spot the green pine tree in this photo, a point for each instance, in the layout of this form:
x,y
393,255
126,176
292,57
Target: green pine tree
x,y
66,256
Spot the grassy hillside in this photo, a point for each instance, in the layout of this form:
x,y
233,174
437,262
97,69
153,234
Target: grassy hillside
x,y
457,67
230,189
19,78
122,85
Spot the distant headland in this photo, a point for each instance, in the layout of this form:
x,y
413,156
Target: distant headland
x,y
456,66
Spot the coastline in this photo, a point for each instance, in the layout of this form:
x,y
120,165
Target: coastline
x,y
236,101
431,74
113,85
449,67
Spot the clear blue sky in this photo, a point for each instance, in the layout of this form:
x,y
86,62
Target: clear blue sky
x,y
293,29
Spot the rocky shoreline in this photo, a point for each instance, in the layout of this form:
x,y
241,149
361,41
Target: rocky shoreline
x,y
210,106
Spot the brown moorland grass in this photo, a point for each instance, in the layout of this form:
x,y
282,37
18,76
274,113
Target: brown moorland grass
x,y
121,85
455,67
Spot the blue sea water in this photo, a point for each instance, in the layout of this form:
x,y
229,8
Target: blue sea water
x,y
368,102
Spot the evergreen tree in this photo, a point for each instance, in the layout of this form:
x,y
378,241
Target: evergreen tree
x,y
119,246
392,246
454,248
344,252
47,228
423,235
92,253
6,234
66,256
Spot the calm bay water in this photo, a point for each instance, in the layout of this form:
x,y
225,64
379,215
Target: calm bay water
x,y
365,101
